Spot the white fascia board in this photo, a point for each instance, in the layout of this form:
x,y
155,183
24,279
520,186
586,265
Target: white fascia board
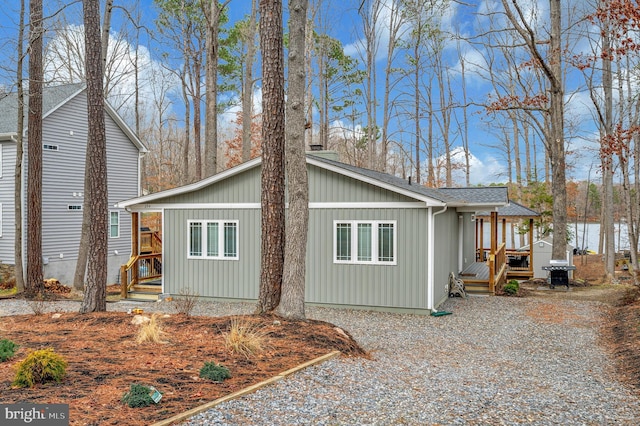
x,y
125,128
473,208
57,107
148,199
379,205
8,136
427,200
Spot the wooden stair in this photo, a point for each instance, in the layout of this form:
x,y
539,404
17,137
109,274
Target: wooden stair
x,y
145,292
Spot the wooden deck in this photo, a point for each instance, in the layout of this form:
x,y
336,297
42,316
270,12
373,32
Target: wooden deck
x,y
476,278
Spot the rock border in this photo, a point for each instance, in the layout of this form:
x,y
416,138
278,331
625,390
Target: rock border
x,y
250,389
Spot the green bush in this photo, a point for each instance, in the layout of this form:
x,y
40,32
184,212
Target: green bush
x,y
7,349
39,367
215,372
511,287
138,396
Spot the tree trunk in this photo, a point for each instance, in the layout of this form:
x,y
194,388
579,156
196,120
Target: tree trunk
x,y
95,297
272,179
17,182
293,280
33,283
211,106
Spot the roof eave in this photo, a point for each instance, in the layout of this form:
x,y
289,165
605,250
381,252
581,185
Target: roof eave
x,y
148,199
429,202
11,136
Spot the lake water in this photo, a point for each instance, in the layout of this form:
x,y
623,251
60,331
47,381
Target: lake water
x,y
587,236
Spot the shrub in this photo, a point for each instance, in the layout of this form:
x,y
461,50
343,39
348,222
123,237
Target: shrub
x,y
511,287
186,301
138,396
214,372
244,337
7,349
39,367
150,331
37,304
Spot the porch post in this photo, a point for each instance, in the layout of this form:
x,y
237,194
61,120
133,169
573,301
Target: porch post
x,y
135,233
531,246
504,230
481,240
494,232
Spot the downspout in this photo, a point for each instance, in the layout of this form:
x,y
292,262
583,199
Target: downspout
x,y
431,258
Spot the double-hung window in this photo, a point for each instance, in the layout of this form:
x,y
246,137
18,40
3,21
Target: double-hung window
x,y
114,224
365,242
213,239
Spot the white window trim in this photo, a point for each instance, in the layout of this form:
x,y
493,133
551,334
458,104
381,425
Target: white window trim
x,y
204,228
374,242
110,224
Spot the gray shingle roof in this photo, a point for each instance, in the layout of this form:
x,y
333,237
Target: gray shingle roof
x,y
513,209
51,98
490,195
390,180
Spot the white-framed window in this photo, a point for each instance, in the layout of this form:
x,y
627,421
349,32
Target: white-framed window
x,y
114,224
365,242
213,239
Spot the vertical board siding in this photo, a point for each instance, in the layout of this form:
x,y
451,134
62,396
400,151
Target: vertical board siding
x,y
235,279
7,200
400,286
328,186
446,249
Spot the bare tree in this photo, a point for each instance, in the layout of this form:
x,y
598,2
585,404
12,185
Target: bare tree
x,y
272,196
247,83
293,280
551,67
34,284
95,295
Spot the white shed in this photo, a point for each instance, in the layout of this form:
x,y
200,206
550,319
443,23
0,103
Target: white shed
x,y
542,256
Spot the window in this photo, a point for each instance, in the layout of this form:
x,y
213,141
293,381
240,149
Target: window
x,y
213,239
365,242
74,207
50,147
114,224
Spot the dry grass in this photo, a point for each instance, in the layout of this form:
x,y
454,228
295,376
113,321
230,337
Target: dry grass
x,y
245,338
150,332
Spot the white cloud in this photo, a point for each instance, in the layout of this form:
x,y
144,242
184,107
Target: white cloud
x,y
481,171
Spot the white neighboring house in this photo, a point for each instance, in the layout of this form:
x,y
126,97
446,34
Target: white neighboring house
x,y
64,136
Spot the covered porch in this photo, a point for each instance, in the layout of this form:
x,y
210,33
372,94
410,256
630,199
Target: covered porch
x,y
496,264
141,276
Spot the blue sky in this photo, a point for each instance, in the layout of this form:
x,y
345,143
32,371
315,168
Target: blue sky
x,y
341,21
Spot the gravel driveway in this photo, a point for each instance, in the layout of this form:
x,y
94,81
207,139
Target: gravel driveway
x,y
495,360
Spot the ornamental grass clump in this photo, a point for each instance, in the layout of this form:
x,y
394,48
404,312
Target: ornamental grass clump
x,y
245,338
40,367
214,372
138,396
150,331
7,349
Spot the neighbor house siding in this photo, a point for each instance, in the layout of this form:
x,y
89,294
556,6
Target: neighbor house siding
x,y
234,279
7,201
446,248
403,285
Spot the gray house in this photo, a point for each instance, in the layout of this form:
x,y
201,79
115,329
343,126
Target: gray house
x,y
64,134
375,241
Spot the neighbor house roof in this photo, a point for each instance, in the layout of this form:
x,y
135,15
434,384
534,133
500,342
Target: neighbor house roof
x,y
475,199
53,97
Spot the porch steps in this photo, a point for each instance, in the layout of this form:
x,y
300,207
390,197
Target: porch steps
x,y
145,292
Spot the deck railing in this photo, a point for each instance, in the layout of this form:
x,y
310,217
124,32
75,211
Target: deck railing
x,y
150,242
144,267
497,267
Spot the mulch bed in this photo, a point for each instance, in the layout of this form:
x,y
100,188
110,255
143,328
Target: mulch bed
x,y
104,360
623,336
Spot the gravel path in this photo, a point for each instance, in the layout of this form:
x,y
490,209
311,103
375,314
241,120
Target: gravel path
x,y
495,360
